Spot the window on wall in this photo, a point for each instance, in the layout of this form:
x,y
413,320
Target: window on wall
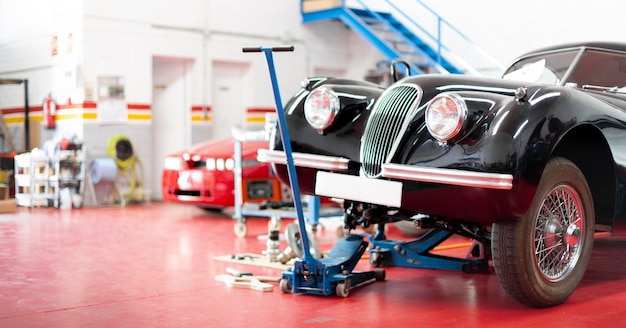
x,y
111,100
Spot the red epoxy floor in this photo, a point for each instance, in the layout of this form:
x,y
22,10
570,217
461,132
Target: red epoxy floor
x,y
152,266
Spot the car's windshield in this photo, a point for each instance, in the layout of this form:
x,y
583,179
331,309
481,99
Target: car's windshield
x,y
547,68
600,69
594,68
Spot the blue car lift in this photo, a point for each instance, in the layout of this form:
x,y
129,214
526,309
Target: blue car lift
x,y
334,273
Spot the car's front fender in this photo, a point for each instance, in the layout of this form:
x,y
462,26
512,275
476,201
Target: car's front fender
x,y
342,137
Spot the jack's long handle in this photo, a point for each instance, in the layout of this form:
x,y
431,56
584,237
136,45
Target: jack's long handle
x,y
273,49
284,133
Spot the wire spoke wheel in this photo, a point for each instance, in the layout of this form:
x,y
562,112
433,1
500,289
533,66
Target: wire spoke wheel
x,y
558,228
541,257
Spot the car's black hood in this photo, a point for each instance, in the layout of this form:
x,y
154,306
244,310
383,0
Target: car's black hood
x,y
510,110
433,84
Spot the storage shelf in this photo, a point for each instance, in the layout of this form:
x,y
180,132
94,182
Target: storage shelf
x,y
39,179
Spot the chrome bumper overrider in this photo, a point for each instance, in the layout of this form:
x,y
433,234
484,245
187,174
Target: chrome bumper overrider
x,y
397,171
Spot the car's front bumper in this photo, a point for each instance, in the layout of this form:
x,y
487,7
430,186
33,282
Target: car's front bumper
x,y
396,171
468,195
199,187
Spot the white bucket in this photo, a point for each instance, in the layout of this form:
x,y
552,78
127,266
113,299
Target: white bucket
x,y
65,199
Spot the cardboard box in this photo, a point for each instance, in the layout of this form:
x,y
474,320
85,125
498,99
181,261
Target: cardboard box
x,y
8,206
4,191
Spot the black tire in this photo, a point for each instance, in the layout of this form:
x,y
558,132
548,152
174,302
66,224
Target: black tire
x,y
541,258
211,209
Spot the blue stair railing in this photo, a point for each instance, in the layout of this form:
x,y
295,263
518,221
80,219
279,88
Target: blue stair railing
x,y
410,31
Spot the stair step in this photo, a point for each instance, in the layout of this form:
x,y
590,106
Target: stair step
x,y
396,42
389,34
371,20
381,29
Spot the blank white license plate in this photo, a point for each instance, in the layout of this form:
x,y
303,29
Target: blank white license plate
x,y
374,191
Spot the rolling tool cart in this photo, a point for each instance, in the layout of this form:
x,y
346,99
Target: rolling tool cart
x,y
268,188
334,273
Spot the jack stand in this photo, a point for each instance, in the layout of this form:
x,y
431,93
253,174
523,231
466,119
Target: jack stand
x,y
333,274
273,239
416,253
294,245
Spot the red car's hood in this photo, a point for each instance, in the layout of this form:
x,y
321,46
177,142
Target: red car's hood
x,y
222,148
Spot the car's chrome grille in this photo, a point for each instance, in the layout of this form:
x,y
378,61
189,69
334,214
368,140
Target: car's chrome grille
x,y
388,119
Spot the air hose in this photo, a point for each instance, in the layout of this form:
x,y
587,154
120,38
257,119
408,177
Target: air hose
x,y
120,148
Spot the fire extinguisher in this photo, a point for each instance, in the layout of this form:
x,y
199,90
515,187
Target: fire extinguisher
x,y
49,109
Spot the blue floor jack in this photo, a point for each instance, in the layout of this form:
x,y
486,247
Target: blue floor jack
x,y
334,273
417,253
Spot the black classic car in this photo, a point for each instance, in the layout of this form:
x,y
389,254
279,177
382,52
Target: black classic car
x,y
532,164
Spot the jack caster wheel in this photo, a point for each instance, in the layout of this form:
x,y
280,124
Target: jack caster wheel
x,y
467,268
380,275
241,228
376,259
343,288
285,286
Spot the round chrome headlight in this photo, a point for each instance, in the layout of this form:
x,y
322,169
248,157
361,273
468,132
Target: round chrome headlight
x,y
321,107
445,116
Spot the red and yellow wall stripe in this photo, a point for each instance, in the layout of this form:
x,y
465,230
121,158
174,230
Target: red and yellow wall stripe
x,y
136,112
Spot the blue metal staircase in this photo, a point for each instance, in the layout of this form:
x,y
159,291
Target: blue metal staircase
x,y
397,35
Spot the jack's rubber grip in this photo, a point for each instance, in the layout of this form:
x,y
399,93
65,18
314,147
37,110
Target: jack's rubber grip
x,y
273,49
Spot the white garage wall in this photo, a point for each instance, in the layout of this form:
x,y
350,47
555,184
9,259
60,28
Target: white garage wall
x,y
507,29
122,35
26,29
119,30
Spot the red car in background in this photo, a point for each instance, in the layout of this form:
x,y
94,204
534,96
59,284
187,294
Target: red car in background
x,y
203,175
